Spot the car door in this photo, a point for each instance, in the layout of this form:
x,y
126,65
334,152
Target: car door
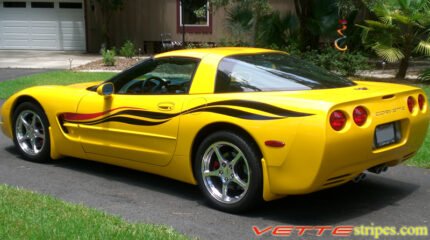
x,y
139,122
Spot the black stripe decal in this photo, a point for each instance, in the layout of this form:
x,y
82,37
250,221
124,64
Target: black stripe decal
x,y
127,120
237,113
264,107
220,107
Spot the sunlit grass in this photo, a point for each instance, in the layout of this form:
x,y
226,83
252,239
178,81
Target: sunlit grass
x,y
28,215
9,87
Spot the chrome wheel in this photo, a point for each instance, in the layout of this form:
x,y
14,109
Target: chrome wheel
x,y
30,132
225,172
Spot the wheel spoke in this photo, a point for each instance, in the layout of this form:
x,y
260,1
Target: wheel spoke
x,y
33,121
240,182
38,134
26,124
236,159
224,191
218,154
23,138
208,173
33,144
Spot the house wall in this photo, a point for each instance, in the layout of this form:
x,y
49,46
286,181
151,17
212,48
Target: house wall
x,y
142,22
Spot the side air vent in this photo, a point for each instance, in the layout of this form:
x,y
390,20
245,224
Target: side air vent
x,y
388,96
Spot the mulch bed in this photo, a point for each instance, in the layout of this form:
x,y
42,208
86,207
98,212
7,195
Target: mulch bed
x,y
121,64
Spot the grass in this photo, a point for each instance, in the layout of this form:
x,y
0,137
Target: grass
x,y
28,215
7,88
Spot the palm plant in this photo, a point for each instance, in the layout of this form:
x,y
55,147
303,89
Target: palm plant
x,y
257,8
402,28
425,76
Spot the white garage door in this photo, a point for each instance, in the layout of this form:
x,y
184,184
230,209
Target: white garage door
x,y
42,25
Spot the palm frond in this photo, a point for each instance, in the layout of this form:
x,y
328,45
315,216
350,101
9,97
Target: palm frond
x,y
423,47
425,76
404,4
364,32
401,18
386,19
377,25
388,53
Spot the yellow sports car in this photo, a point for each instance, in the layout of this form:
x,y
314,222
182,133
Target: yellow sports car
x,y
244,124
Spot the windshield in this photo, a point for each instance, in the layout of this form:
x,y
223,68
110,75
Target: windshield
x,y
273,72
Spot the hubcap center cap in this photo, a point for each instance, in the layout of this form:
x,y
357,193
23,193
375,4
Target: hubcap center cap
x,y
227,171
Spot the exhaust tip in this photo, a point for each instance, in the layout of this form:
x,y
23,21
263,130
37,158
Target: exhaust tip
x,y
359,178
378,169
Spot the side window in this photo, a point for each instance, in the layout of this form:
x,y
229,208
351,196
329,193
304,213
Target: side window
x,y
161,76
234,76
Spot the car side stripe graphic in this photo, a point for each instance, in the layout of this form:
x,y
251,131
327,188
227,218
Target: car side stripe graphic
x,y
88,116
262,107
133,115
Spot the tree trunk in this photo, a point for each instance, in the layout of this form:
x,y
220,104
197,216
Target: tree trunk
x,y
404,63
255,30
403,68
307,38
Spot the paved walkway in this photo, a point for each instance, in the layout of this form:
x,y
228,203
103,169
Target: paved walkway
x,y
44,59
9,73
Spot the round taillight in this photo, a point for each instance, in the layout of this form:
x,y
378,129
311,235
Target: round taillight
x,y
421,101
360,116
337,120
411,104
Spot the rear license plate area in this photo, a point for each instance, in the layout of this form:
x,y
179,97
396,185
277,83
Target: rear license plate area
x,y
387,134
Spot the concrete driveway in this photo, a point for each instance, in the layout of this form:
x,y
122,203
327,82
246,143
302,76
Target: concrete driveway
x,y
44,59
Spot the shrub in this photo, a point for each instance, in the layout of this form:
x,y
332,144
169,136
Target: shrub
x,y
425,76
109,57
128,50
191,45
343,63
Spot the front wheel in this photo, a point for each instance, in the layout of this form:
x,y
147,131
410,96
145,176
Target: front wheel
x,y
31,132
228,169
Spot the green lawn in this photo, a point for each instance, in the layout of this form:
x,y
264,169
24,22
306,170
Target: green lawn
x,y
28,215
8,88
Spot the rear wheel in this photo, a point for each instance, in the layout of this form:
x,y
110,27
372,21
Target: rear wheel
x,y
31,132
228,170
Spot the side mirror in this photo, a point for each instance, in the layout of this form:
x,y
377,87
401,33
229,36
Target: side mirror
x,y
106,89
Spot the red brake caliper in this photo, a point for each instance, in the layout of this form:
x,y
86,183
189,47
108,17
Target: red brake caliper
x,y
215,165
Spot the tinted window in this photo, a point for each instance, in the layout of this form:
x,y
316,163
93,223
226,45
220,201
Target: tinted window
x,y
194,12
273,72
42,5
14,4
70,5
161,76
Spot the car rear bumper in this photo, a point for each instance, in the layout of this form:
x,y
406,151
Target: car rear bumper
x,y
323,158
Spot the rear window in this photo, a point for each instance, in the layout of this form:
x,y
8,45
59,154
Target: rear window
x,y
273,72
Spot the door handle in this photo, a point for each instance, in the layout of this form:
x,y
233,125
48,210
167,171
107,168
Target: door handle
x,y
167,106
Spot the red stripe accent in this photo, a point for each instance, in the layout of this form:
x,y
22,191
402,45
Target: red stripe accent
x,y
89,116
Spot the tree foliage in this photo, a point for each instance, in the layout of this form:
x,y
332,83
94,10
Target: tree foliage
x,y
258,8
402,28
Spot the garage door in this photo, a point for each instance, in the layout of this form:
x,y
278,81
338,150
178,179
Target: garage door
x,y
42,25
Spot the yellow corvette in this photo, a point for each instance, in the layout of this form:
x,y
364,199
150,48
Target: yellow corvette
x,y
244,124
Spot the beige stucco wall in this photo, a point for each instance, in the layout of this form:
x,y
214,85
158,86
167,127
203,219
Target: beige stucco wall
x,y
142,21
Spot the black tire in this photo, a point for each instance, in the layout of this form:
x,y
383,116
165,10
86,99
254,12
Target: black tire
x,y
212,187
36,128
